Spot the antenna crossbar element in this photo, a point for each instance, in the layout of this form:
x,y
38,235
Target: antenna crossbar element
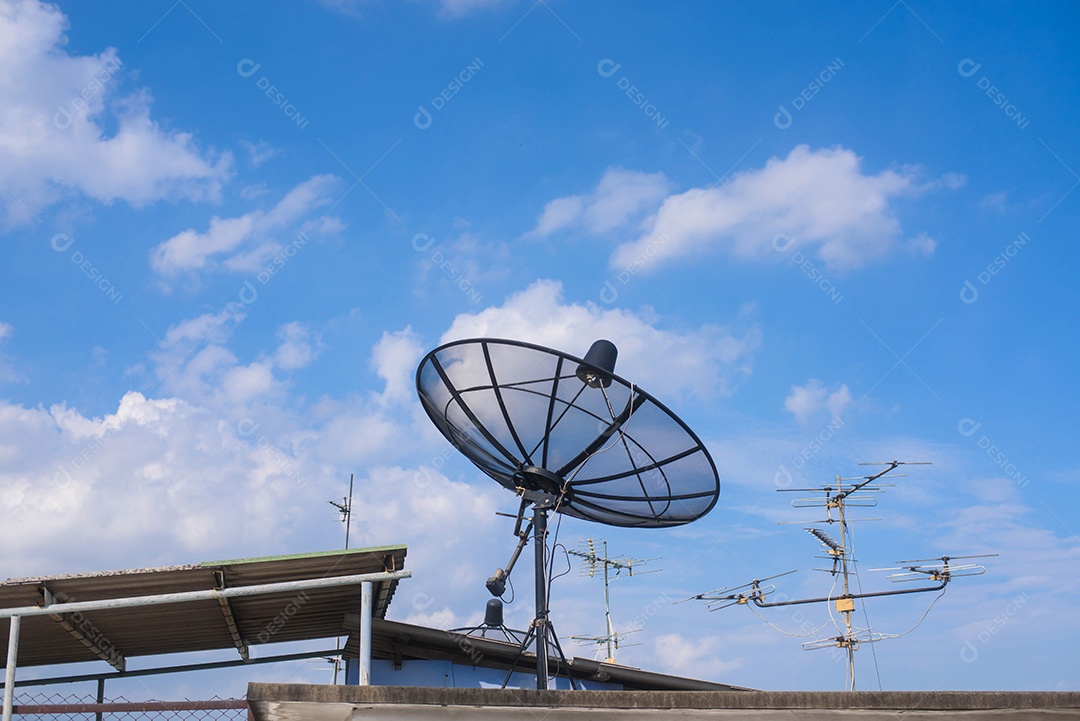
x,y
935,569
734,595
826,540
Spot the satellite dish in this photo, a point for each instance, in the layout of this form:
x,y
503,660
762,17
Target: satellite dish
x,y
546,424
567,435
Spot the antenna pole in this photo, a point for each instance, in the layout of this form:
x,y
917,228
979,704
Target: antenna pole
x,y
849,605
348,513
345,508
540,623
607,608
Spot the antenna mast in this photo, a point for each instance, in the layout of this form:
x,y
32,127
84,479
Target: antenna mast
x,y
345,508
592,559
860,493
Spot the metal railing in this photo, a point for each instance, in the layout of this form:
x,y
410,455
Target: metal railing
x,y
72,707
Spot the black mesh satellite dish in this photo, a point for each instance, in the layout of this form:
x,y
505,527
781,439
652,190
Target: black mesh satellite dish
x,y
542,422
568,435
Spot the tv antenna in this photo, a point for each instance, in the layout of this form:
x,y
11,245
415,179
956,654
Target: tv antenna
x,y
593,558
858,492
567,436
345,508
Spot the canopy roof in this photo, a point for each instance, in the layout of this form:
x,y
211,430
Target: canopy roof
x,y
114,634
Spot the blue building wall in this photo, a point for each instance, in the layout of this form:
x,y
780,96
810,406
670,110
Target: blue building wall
x,y
444,674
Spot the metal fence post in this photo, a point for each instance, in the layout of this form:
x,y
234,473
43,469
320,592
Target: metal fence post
x,y
12,656
365,633
100,697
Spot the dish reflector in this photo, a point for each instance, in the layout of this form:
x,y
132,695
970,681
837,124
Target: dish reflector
x,y
535,421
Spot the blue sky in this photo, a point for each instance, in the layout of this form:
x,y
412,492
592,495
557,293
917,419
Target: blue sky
x,y
823,234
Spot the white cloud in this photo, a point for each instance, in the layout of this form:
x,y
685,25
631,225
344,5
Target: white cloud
x,y
693,658
806,402
459,8
53,119
218,473
455,539
8,373
998,202
395,358
620,197
702,362
259,152
194,362
818,201
298,346
560,213
158,481
246,242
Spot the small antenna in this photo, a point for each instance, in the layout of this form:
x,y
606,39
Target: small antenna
x,y
345,508
844,493
594,558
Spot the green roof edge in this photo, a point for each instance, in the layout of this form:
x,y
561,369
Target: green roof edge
x,y
313,554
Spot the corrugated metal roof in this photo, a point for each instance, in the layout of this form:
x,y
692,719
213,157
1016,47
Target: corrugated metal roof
x,y
395,640
195,625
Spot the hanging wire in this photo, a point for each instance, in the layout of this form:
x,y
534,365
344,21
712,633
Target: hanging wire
x,y
513,592
927,613
566,555
829,604
866,616
622,427
786,633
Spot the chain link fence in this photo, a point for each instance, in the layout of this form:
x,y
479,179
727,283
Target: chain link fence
x,y
74,707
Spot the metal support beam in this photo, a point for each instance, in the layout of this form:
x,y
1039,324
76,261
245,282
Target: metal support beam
x,y
187,596
230,619
541,620
209,666
12,657
83,631
107,653
365,633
